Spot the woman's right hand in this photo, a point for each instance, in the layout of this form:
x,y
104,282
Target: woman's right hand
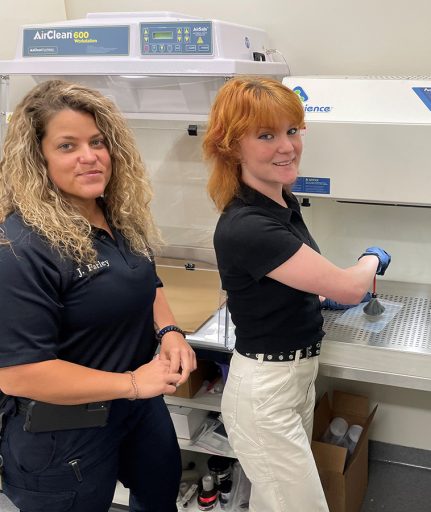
x,y
384,258
154,379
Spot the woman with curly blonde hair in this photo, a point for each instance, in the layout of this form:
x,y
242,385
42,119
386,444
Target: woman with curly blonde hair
x,y
82,311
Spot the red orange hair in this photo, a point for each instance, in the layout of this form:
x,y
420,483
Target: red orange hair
x,y
243,105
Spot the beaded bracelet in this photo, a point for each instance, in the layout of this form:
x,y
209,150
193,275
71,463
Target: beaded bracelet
x,y
169,328
134,384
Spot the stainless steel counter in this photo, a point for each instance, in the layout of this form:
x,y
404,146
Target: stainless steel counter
x,y
399,355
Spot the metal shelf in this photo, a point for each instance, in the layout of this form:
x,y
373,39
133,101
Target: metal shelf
x,y
185,445
121,497
205,401
202,400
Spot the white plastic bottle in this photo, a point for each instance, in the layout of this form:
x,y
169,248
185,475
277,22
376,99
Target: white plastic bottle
x,y
336,431
352,437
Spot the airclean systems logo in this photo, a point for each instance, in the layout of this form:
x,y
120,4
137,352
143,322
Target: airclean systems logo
x,y
310,108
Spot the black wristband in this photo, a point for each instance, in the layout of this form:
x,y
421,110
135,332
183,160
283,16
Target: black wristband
x,y
169,328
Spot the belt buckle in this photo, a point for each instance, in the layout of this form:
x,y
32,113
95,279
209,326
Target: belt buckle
x,y
308,352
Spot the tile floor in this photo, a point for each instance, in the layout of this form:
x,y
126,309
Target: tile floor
x,y
399,481
395,488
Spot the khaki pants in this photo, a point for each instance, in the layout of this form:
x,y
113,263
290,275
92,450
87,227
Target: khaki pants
x,y
267,409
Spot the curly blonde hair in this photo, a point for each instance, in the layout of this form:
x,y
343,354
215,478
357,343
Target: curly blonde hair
x,y
25,187
242,106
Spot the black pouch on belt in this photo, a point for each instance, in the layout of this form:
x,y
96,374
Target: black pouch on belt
x,y
43,417
5,409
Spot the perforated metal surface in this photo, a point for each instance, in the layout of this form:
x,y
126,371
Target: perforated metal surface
x,y
409,330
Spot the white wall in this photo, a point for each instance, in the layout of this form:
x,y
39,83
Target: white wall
x,y
388,37
384,37
14,13
18,12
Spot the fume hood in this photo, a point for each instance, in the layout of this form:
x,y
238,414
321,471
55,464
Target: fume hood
x,y
157,67
367,138
162,63
365,173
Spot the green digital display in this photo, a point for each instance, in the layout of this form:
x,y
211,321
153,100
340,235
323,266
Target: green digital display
x,y
163,35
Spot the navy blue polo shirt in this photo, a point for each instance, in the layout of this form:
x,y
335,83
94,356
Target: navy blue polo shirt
x,y
98,315
254,236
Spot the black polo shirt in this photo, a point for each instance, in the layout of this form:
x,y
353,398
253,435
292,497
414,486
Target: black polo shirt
x,y
98,315
254,236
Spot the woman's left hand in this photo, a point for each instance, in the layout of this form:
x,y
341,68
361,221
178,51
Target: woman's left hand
x,y
175,349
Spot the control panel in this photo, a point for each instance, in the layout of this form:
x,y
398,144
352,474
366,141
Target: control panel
x,y
176,38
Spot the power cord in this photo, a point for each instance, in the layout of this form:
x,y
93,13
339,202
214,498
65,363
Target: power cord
x,y
272,51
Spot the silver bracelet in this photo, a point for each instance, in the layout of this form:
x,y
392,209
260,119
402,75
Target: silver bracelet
x,y
134,384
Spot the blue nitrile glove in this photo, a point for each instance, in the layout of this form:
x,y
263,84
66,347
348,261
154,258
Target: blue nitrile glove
x,y
331,304
384,258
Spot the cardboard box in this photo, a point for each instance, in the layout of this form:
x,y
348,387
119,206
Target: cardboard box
x,y
193,296
186,420
344,481
206,370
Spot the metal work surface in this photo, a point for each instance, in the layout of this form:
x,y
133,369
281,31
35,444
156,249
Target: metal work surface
x,y
409,330
399,355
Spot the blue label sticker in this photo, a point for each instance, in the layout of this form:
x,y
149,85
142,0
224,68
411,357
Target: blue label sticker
x,y
424,94
71,41
310,185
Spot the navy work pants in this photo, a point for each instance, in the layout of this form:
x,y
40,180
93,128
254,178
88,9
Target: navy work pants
x,y
77,470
